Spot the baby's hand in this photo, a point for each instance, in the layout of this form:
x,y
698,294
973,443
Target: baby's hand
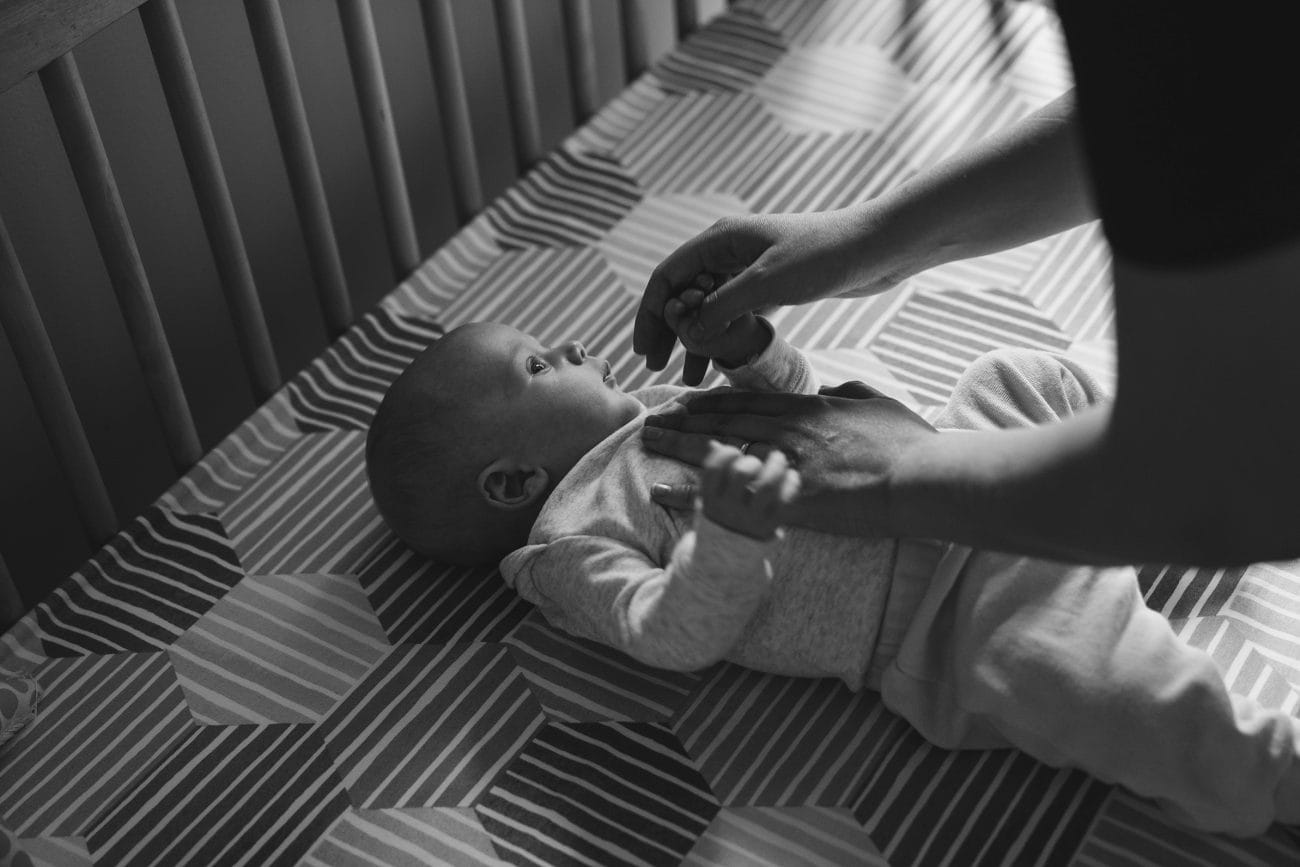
x,y
743,337
744,494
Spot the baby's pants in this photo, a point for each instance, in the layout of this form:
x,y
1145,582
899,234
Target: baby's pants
x,y
1065,662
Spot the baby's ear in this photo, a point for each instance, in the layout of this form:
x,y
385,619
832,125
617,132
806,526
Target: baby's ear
x,y
507,484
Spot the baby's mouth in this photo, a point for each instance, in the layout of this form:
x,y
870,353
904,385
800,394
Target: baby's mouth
x,y
608,377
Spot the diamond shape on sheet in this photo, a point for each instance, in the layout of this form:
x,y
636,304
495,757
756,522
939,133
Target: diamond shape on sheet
x,y
577,680
780,836
431,726
443,835
161,573
598,793
279,648
310,511
104,721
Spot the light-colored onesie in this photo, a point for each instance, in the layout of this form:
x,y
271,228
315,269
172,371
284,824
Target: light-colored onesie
x,y
976,649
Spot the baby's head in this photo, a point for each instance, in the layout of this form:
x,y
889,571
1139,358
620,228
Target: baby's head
x,y
477,431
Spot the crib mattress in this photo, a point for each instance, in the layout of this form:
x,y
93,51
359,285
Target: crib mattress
x,y
254,671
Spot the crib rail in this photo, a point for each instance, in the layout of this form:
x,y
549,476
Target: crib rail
x,y
41,37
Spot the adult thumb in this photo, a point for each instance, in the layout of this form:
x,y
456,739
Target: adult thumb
x,y
734,298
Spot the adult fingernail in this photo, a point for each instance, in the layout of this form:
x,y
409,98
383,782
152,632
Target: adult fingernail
x,y
659,489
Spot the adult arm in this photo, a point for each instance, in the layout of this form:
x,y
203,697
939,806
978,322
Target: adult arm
x,y
1018,185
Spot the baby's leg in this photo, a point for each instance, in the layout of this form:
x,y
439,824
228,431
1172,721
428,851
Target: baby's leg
x,y
1010,388
1067,664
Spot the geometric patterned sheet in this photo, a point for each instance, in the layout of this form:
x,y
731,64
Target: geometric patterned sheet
x,y
255,672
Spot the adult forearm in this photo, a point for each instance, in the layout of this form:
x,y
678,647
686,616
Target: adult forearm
x,y
1016,186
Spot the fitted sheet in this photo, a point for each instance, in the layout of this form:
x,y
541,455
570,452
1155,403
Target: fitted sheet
x,y
255,671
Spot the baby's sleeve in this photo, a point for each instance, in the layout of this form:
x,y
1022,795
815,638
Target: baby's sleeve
x,y
780,368
684,616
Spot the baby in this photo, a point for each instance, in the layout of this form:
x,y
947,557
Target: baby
x,y
491,447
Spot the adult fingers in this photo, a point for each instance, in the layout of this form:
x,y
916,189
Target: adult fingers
x,y
854,389
743,293
688,448
694,367
680,496
748,402
738,429
715,250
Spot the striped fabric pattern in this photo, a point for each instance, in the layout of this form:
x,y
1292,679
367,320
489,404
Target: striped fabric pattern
x,y
579,681
105,720
431,726
598,793
267,802
405,838
765,837
281,648
143,589
256,672
419,602
342,388
731,54
571,198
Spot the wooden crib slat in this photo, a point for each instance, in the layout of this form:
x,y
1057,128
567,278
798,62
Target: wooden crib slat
x,y
512,30
34,32
636,47
688,17
40,370
162,26
453,100
580,40
381,132
99,193
271,43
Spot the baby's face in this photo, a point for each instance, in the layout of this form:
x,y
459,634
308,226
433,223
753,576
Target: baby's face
x,y
562,400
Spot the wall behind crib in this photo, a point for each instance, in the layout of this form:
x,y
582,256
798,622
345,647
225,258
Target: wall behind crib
x,y
41,539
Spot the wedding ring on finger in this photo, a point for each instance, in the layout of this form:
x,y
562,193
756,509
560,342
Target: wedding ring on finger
x,y
744,447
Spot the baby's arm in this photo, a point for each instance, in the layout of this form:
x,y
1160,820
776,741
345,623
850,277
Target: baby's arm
x,y
691,612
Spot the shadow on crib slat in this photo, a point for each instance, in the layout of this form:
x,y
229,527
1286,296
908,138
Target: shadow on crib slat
x,y
99,193
180,86
271,43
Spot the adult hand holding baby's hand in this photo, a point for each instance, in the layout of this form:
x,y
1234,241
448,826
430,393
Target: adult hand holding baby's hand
x,y
744,494
742,338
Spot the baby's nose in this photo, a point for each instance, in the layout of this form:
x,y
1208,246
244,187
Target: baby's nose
x,y
575,352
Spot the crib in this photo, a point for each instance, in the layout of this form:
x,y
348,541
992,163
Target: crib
x,y
244,667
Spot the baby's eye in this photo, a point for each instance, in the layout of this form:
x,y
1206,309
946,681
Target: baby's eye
x,y
535,365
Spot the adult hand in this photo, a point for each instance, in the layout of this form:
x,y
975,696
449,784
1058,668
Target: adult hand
x,y
776,259
844,443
